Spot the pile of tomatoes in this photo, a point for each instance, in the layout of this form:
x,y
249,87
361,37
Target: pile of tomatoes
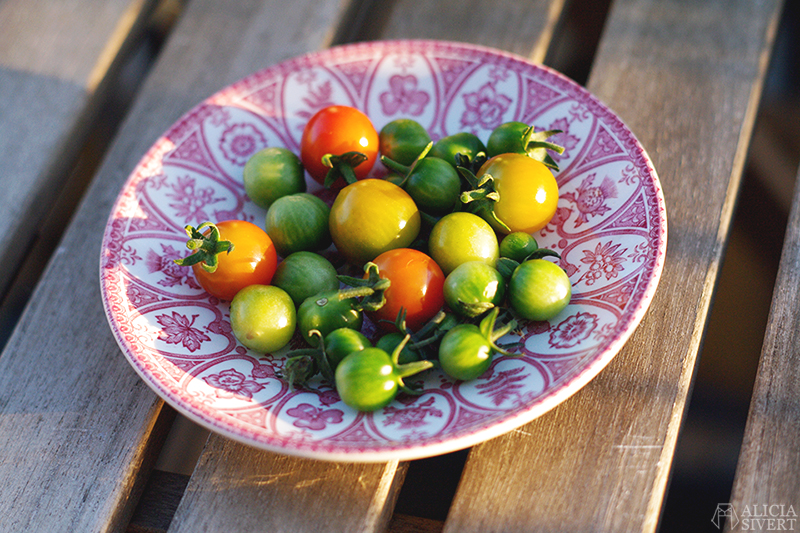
x,y
438,254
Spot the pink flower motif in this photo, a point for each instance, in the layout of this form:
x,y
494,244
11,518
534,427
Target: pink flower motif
x,y
177,329
573,330
411,417
164,263
564,139
485,108
503,385
240,141
191,200
317,97
606,260
313,418
590,200
232,382
403,96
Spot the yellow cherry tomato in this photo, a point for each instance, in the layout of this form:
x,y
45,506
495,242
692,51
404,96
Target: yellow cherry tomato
x,y
528,192
372,216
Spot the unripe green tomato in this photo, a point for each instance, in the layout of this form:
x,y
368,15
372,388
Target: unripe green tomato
x,y
272,173
303,274
341,342
464,143
263,318
325,312
539,290
298,222
402,140
473,288
518,246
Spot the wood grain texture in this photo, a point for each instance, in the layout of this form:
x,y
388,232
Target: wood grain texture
x,y
236,488
769,462
688,88
309,496
55,59
78,422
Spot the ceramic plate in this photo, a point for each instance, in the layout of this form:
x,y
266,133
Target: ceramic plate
x,y
610,229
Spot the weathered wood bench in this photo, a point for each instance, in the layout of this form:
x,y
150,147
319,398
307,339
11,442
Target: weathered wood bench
x,y
82,431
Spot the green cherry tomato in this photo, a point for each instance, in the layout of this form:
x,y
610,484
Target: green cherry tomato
x,y
326,312
298,222
464,352
518,246
370,217
390,341
460,237
263,318
539,290
303,274
272,173
402,140
507,138
370,379
341,342
464,143
473,288
434,185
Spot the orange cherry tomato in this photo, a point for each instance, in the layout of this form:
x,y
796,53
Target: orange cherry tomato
x,y
252,261
417,286
337,130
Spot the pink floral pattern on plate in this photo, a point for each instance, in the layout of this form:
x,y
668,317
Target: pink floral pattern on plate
x,y
610,229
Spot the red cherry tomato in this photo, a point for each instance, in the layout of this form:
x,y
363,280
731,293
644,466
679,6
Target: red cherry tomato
x,y
337,130
417,286
252,261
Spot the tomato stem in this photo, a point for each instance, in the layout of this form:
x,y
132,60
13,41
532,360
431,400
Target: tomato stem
x,y
341,166
207,246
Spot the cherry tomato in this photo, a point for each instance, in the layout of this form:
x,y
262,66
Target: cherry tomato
x,y
507,138
464,143
539,290
229,256
370,217
402,140
473,288
305,274
391,340
528,192
370,379
518,246
272,173
416,286
337,130
298,222
460,237
263,318
464,352
326,312
341,342
434,185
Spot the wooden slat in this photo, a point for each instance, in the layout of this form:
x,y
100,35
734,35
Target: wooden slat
x,y
56,57
309,494
769,463
686,77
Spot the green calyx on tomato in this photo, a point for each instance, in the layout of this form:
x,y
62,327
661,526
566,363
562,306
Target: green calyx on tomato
x,y
205,247
370,379
520,138
222,269
466,350
341,167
